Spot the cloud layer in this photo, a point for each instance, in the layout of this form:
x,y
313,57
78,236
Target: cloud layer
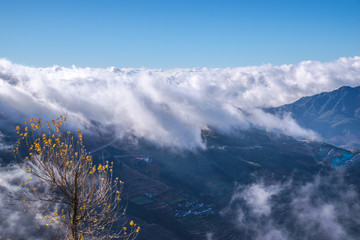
x,y
325,208
14,222
168,107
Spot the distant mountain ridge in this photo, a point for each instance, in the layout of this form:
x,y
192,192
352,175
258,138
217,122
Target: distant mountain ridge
x,y
334,115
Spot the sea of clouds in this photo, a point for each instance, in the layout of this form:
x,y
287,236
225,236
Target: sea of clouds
x,y
169,107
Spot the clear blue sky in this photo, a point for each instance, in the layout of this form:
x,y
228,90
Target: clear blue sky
x,y
177,33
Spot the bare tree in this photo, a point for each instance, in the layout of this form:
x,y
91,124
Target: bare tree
x,y
78,197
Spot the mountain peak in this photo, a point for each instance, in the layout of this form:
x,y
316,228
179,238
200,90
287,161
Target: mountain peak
x,y
334,115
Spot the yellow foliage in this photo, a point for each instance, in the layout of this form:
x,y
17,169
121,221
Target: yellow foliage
x,y
61,162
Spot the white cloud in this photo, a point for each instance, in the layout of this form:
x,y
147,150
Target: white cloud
x,y
14,222
325,208
285,124
3,145
168,107
258,197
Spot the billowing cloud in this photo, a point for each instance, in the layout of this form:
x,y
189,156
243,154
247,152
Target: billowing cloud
x,y
325,208
15,223
168,107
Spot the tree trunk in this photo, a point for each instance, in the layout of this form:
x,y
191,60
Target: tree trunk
x,y
75,203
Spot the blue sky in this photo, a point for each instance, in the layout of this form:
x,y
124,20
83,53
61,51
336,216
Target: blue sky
x,y
177,33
